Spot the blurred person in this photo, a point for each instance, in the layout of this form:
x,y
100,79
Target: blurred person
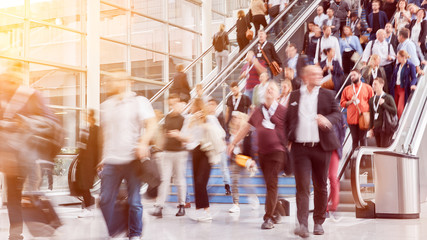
x,y
19,150
332,71
123,116
285,93
349,45
242,25
390,36
200,93
258,11
320,17
240,173
88,160
193,133
312,44
268,120
327,41
296,81
402,17
332,22
389,7
236,102
221,42
355,98
265,51
309,119
377,105
292,57
373,70
174,158
251,71
342,11
259,90
403,82
410,47
180,84
273,11
424,4
413,9
418,30
211,107
376,20
357,25
383,49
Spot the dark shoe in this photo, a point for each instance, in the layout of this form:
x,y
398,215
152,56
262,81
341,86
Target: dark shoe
x,y
157,212
181,211
268,224
302,231
318,229
227,190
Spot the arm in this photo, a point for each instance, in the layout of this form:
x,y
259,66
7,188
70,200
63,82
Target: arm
x,y
389,105
243,131
371,114
359,48
258,66
385,19
414,78
334,115
275,56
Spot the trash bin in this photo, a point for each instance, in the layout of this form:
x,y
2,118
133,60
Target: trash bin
x,y
397,185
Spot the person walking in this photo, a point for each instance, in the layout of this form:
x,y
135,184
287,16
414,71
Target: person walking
x,y
180,84
242,26
258,10
221,42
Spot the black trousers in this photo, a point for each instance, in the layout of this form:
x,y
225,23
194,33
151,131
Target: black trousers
x,y
259,20
201,174
242,41
14,208
347,64
271,164
358,136
88,200
312,161
382,139
388,69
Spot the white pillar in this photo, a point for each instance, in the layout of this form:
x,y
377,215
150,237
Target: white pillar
x,y
93,55
207,35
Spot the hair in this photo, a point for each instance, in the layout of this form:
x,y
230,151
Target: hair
x,y
173,96
380,80
411,5
349,28
221,27
326,50
325,27
424,12
241,14
234,84
376,1
320,7
288,82
211,99
403,53
356,70
373,58
330,9
380,31
292,45
404,32
199,106
261,31
179,67
199,86
353,14
406,4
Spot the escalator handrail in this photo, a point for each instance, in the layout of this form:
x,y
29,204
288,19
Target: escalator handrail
x,y
355,168
169,84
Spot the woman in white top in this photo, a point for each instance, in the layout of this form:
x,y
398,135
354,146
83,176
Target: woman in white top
x,y
418,28
402,17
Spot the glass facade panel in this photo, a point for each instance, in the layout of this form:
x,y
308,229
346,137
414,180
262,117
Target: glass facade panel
x,y
148,90
14,7
11,35
183,43
147,64
113,55
154,8
148,33
185,14
59,12
113,23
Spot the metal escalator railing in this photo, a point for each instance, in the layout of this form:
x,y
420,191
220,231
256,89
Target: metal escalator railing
x,y
409,125
187,68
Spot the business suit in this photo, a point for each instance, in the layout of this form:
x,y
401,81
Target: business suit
x,y
313,159
336,24
393,41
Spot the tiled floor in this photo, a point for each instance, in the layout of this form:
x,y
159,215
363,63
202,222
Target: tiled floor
x,y
227,226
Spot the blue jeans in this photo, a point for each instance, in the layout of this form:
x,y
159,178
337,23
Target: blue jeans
x,y
224,168
111,179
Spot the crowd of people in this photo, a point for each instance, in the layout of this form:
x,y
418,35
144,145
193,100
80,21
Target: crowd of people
x,y
295,125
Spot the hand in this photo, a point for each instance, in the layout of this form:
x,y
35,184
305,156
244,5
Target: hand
x,y
323,122
325,68
370,133
389,58
173,134
230,149
381,101
249,56
280,70
99,167
413,87
369,30
143,151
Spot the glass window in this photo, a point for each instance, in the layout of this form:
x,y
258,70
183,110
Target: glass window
x,y
148,33
113,23
113,55
147,64
11,35
184,13
154,8
148,90
191,73
183,43
55,45
60,12
14,7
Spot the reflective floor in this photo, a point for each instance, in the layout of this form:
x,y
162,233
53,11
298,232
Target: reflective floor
x,y
224,226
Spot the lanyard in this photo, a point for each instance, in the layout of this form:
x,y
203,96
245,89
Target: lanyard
x,y
262,47
374,72
270,112
378,104
354,90
236,102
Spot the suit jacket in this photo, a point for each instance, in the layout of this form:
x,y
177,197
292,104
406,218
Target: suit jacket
x,y
270,52
383,20
408,77
423,33
394,42
335,22
327,106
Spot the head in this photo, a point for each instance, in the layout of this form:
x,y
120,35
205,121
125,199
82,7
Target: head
x,y
402,56
374,61
262,36
199,106
310,26
388,28
11,77
221,27
329,52
319,10
263,77
211,106
199,89
421,14
272,92
234,86
317,31
291,50
327,31
250,55
117,82
378,85
241,14
412,8
353,16
286,87
330,12
355,76
403,35
179,68
381,35
173,101
289,73
312,75
376,5
347,31
401,5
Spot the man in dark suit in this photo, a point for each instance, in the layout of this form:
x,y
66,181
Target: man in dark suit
x,y
333,22
376,20
312,112
269,54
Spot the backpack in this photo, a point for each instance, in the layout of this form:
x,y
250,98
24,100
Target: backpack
x,y
219,42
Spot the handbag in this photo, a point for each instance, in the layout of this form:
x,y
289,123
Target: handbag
x,y
364,119
390,122
274,66
249,34
329,84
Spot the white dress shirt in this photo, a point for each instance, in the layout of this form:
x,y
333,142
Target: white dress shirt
x,y
307,129
318,20
381,49
330,42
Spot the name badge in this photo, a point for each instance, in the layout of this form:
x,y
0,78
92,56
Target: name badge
x,y
268,124
259,55
376,116
357,101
